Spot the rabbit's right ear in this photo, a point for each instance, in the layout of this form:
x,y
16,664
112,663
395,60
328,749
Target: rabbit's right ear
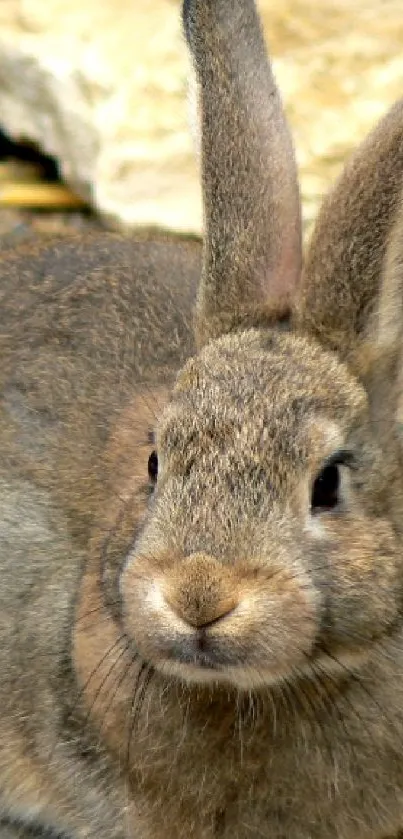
x,y
351,293
252,244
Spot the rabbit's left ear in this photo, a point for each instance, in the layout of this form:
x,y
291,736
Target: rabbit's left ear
x,y
252,244
351,293
382,371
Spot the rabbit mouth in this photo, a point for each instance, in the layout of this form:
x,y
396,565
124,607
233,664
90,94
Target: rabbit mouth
x,y
201,652
204,660
200,659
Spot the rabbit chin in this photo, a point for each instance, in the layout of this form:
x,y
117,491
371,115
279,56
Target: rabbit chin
x,y
250,678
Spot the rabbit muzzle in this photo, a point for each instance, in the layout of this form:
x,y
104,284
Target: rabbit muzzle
x,y
201,620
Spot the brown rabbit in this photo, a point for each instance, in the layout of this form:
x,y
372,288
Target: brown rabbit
x,y
201,636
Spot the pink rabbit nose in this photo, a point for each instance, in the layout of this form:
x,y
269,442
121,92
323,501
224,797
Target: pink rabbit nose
x,y
201,591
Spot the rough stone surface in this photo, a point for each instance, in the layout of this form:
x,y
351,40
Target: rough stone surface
x,y
101,84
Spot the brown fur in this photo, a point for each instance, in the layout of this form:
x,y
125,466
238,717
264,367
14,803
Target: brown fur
x,y
212,657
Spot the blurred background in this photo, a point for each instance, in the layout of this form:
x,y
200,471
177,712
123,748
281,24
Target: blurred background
x,y
93,108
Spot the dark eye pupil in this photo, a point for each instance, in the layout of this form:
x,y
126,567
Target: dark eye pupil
x,y
325,492
153,467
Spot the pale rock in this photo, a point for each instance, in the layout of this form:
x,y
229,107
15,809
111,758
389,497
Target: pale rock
x,y
101,85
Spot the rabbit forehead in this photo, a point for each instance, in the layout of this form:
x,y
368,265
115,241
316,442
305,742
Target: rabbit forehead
x,y
258,386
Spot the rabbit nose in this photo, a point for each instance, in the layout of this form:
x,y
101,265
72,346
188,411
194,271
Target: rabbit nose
x,y
201,591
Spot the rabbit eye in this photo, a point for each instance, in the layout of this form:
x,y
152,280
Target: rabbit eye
x,y
325,491
326,488
153,467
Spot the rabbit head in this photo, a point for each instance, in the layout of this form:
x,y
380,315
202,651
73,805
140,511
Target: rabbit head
x,y
272,545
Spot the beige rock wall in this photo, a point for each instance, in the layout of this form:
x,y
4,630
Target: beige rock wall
x,y
101,85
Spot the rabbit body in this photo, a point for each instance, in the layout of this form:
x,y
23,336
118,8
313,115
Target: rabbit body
x,y
62,391
201,631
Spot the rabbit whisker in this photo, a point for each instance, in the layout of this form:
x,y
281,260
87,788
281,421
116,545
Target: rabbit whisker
x,y
143,680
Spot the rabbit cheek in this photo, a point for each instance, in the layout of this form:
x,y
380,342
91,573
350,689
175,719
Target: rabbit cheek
x,y
361,583
103,661
278,625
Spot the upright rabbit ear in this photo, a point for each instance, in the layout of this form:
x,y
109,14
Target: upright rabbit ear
x,y
252,248
352,287
383,375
